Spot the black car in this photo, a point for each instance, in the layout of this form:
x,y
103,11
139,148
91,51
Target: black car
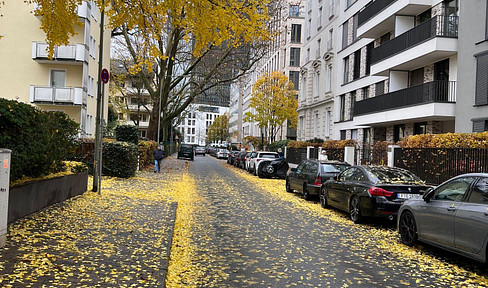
x,y
273,168
310,175
239,157
185,151
371,191
232,157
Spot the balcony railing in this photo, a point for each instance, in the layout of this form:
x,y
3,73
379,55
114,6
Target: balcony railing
x,y
54,95
439,91
72,52
372,9
440,26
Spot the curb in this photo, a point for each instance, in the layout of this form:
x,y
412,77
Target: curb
x,y
168,244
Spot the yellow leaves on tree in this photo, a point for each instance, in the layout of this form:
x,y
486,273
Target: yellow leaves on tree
x,y
447,140
205,22
274,101
219,130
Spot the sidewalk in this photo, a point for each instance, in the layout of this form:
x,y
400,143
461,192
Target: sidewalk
x,y
119,239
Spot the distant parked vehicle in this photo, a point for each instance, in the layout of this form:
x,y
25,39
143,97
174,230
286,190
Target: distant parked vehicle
x,y
185,151
200,151
310,175
452,216
242,163
260,156
371,191
222,154
249,159
238,158
232,157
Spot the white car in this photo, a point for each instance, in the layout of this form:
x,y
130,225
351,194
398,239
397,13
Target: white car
x,y
254,162
222,154
248,160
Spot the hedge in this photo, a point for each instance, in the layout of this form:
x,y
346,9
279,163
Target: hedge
x,y
278,144
119,159
127,133
146,149
447,140
39,140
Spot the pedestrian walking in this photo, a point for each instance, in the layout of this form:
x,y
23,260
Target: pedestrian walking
x,y
323,156
158,156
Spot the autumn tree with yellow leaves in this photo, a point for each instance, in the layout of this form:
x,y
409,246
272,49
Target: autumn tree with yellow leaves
x,y
274,102
219,130
191,46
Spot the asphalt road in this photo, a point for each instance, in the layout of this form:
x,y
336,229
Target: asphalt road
x,y
249,237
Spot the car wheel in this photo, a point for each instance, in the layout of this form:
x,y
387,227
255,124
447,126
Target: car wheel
x,y
323,197
287,186
306,194
408,229
260,175
355,210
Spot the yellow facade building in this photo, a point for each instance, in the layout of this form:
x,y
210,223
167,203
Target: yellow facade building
x,y
68,82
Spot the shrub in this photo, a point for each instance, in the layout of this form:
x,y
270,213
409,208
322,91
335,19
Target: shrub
x,y
447,140
146,149
119,159
256,141
298,144
278,144
338,144
39,140
127,133
316,140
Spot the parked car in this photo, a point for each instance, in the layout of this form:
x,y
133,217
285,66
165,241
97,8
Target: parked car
x,y
238,158
232,157
260,156
273,168
200,151
185,151
242,163
249,159
452,216
310,175
371,191
222,154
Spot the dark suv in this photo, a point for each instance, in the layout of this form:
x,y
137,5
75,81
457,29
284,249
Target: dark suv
x,y
311,174
185,151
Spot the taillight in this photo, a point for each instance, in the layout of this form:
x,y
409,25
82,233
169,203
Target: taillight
x,y
318,181
259,160
375,191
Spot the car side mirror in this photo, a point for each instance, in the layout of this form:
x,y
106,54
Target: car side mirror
x,y
293,169
428,194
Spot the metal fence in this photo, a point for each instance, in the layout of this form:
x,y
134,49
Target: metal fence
x,y
295,155
370,155
436,165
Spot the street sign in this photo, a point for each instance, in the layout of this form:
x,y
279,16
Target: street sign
x,y
105,76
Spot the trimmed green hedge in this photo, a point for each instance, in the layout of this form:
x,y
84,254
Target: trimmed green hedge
x,y
119,159
146,149
39,140
127,133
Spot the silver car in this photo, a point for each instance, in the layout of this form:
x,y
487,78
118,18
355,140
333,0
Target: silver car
x,y
452,216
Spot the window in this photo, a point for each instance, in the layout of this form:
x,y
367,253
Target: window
x,y
302,132
453,190
380,88
189,122
348,174
345,31
58,78
354,134
359,176
342,102
479,195
420,128
303,88
480,125
309,27
189,130
295,79
353,100
346,70
349,3
316,84
294,11
365,92
327,123
355,28
308,55
296,33
357,64
330,41
315,124
317,54
92,47
343,134
481,94
319,18
89,124
369,52
295,57
328,78
192,130
331,8
398,132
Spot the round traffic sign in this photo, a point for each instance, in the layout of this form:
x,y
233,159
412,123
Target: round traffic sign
x,y
105,76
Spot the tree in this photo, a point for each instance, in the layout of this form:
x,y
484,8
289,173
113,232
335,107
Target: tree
x,y
274,101
219,130
192,46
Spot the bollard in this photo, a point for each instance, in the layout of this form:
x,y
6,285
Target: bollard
x,y
4,190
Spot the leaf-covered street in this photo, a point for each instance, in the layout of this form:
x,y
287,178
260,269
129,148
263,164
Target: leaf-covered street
x,y
231,229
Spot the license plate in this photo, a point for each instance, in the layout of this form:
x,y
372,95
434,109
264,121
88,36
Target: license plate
x,y
405,195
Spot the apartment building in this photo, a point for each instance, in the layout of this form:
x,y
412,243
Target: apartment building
x,y
472,110
68,82
317,74
399,69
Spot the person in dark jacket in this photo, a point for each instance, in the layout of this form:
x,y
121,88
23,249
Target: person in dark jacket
x,y
158,156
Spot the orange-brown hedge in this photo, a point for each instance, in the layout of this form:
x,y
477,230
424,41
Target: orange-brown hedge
x,y
447,140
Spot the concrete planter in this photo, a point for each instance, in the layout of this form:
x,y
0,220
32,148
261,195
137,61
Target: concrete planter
x,y
32,197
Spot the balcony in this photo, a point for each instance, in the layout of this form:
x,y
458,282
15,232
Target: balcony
x,y
431,100
433,40
378,17
74,54
57,96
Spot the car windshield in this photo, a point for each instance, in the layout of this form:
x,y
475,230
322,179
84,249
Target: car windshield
x,y
268,155
186,146
333,168
389,175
